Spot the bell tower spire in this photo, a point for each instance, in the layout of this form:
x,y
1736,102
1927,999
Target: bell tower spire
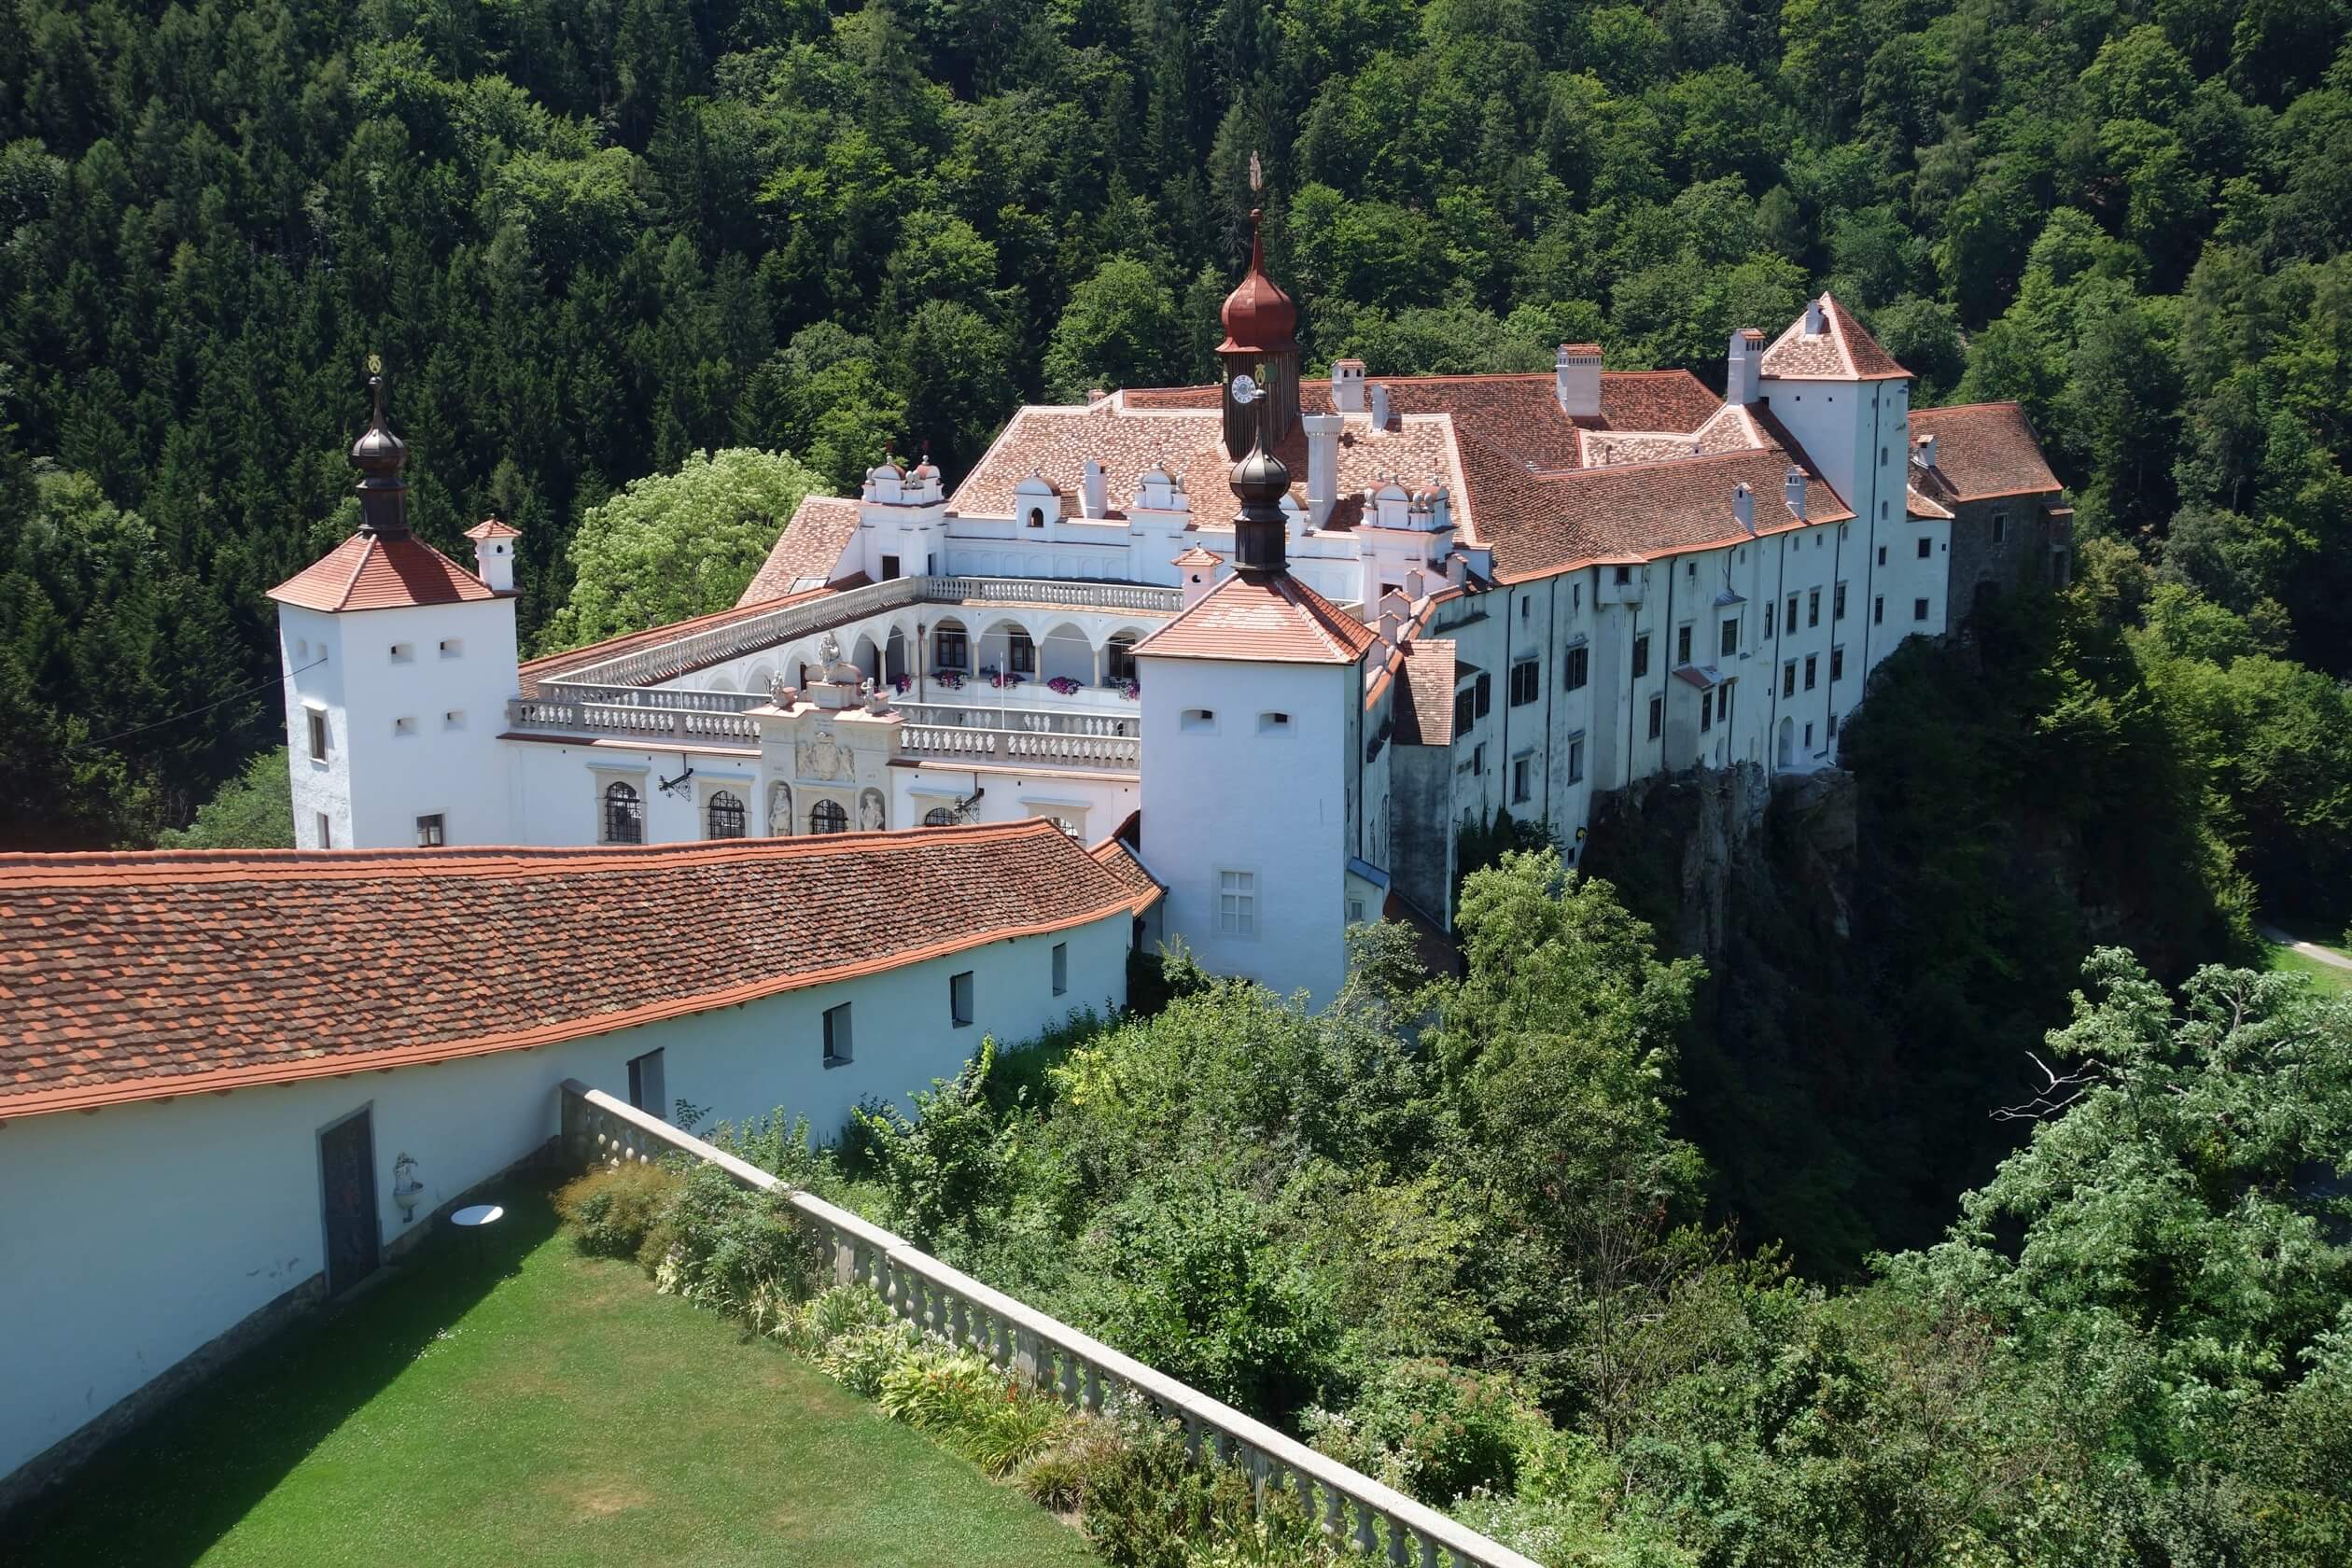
x,y
1261,342
380,455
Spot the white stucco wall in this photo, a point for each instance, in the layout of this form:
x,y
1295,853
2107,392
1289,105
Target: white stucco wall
x,y
137,1234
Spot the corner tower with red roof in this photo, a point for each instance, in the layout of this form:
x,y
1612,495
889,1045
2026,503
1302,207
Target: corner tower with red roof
x,y
399,665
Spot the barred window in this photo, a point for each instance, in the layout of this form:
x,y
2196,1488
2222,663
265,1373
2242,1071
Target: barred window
x,y
725,814
623,815
827,817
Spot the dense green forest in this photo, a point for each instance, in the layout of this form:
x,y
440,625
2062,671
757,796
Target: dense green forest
x,y
594,238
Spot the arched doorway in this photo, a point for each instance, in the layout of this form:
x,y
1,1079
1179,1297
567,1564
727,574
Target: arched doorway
x,y
1788,743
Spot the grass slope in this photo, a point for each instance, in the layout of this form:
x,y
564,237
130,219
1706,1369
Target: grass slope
x,y
2329,978
531,1407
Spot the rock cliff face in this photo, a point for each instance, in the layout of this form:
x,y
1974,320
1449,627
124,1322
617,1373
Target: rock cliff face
x,y
1699,854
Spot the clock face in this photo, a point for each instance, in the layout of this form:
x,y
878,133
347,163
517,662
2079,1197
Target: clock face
x,y
1245,389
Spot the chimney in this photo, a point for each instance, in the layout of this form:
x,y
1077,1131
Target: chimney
x,y
1392,624
1322,461
494,553
1744,367
1576,380
1380,406
1347,386
1092,491
1924,453
1793,488
1415,586
1197,572
1743,509
1813,318
1457,568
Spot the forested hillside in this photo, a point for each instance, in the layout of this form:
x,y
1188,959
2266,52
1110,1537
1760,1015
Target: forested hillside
x,y
593,238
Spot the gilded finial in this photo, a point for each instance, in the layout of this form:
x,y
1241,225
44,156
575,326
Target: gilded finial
x,y
1257,174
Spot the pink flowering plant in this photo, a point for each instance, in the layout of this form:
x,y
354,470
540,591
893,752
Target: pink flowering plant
x,y
951,680
1063,685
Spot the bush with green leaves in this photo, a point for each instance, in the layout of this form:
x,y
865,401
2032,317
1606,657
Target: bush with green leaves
x,y
614,1209
1435,1431
741,1253
1147,1503
861,1359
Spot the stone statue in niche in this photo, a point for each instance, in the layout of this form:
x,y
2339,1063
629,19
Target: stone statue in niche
x,y
780,822
829,650
822,756
871,811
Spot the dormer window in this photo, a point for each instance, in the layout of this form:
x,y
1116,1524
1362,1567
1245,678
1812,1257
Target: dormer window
x,y
1037,517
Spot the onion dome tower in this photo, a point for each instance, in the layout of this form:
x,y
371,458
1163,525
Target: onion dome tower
x,y
1260,533
1261,341
380,455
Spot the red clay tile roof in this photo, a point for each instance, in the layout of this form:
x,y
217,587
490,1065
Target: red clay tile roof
x,y
1984,451
1262,620
810,546
1116,855
366,572
137,976
1843,350
1917,505
1424,714
548,665
491,527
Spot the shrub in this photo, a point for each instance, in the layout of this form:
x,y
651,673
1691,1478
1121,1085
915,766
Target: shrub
x,y
743,1254
1147,1501
861,1358
612,1209
1013,1430
1056,1476
833,1313
1436,1431
939,1390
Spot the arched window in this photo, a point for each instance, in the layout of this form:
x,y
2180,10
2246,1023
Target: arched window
x,y
939,817
1037,517
725,814
623,815
828,816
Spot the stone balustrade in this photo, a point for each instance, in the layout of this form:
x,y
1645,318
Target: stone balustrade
x,y
562,709
1085,1372
1031,721
959,744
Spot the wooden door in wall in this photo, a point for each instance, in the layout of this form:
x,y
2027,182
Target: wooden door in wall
x,y
347,1175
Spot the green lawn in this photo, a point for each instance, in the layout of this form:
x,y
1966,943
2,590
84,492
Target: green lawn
x,y
530,1407
2286,961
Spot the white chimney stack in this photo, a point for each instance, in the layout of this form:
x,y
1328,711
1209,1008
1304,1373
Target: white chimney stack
x,y
1743,509
1744,368
1093,490
1322,462
1380,406
1197,573
1576,380
1927,451
1392,624
1347,386
1794,487
1415,587
1813,318
494,553
1457,568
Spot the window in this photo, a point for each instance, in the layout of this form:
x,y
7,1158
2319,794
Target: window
x,y
1522,776
317,735
959,1000
1813,607
1812,662
1808,737
1788,678
1355,911
1731,637
1576,759
1477,760
402,653
828,816
723,814
1641,656
1037,517
453,720
325,830
1833,726
1657,716
2000,527
1919,609
837,1035
1723,701
404,725
1768,607
1486,692
1526,683
1883,506
1706,711
1466,709
1274,724
1120,657
1579,663
453,648
647,1090
1882,558
1523,604
939,817
1690,568
890,567
1682,644
430,831
1020,653
955,650
1837,664
1789,621
1837,607
1237,904
623,815
1878,610
1926,547
1061,967
1199,718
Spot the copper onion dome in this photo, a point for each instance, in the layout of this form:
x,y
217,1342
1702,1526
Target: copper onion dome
x,y
1259,318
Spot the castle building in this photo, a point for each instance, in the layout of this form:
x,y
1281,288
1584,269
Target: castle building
x,y
1438,600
